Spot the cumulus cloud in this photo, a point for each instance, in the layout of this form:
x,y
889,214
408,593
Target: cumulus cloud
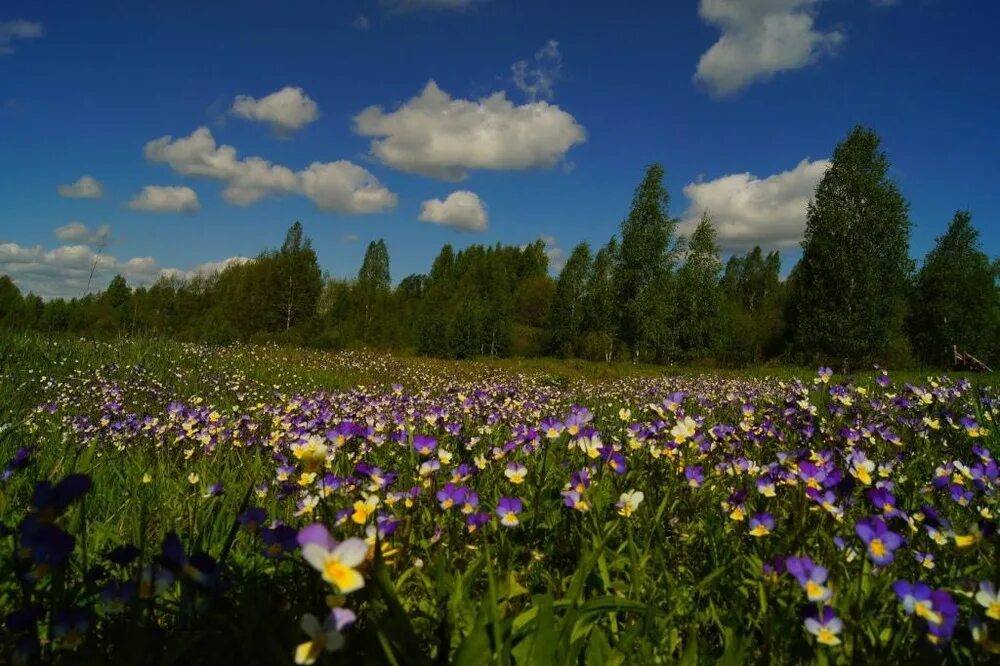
x,y
86,187
537,79
165,199
65,271
340,187
18,29
72,271
77,232
437,136
204,270
759,39
344,187
461,210
556,255
748,211
287,110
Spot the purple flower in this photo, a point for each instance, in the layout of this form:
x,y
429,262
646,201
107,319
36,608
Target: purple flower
x,y
476,520
451,495
508,509
883,501
252,518
824,625
879,539
424,444
936,607
811,577
694,475
51,501
761,524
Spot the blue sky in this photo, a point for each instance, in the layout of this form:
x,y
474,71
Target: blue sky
x,y
540,122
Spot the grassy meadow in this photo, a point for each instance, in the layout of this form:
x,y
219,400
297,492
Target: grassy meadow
x,y
173,503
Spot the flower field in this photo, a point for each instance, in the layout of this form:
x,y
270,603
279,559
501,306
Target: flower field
x,y
177,504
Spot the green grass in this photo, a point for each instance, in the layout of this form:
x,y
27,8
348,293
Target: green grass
x,y
678,581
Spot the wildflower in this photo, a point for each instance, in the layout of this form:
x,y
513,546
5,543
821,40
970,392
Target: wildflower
x,y
684,429
694,475
51,501
926,560
988,598
629,502
765,486
879,539
325,637
884,501
617,463
214,490
825,626
476,520
252,518
337,562
508,509
193,478
364,508
591,445
69,627
312,452
515,472
824,374
574,500
278,540
810,576
450,495
936,607
761,524
424,444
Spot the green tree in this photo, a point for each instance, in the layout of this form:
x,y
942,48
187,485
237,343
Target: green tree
x,y
600,310
372,289
699,293
753,303
300,277
11,303
955,298
642,275
565,323
851,286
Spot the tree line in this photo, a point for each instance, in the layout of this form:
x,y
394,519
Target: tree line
x,y
854,298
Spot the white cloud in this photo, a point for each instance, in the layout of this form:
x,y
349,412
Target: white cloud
x,y
287,110
556,255
165,199
344,187
437,136
349,238
748,211
18,29
332,186
461,210
539,80
759,39
86,187
65,271
361,22
204,270
77,232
